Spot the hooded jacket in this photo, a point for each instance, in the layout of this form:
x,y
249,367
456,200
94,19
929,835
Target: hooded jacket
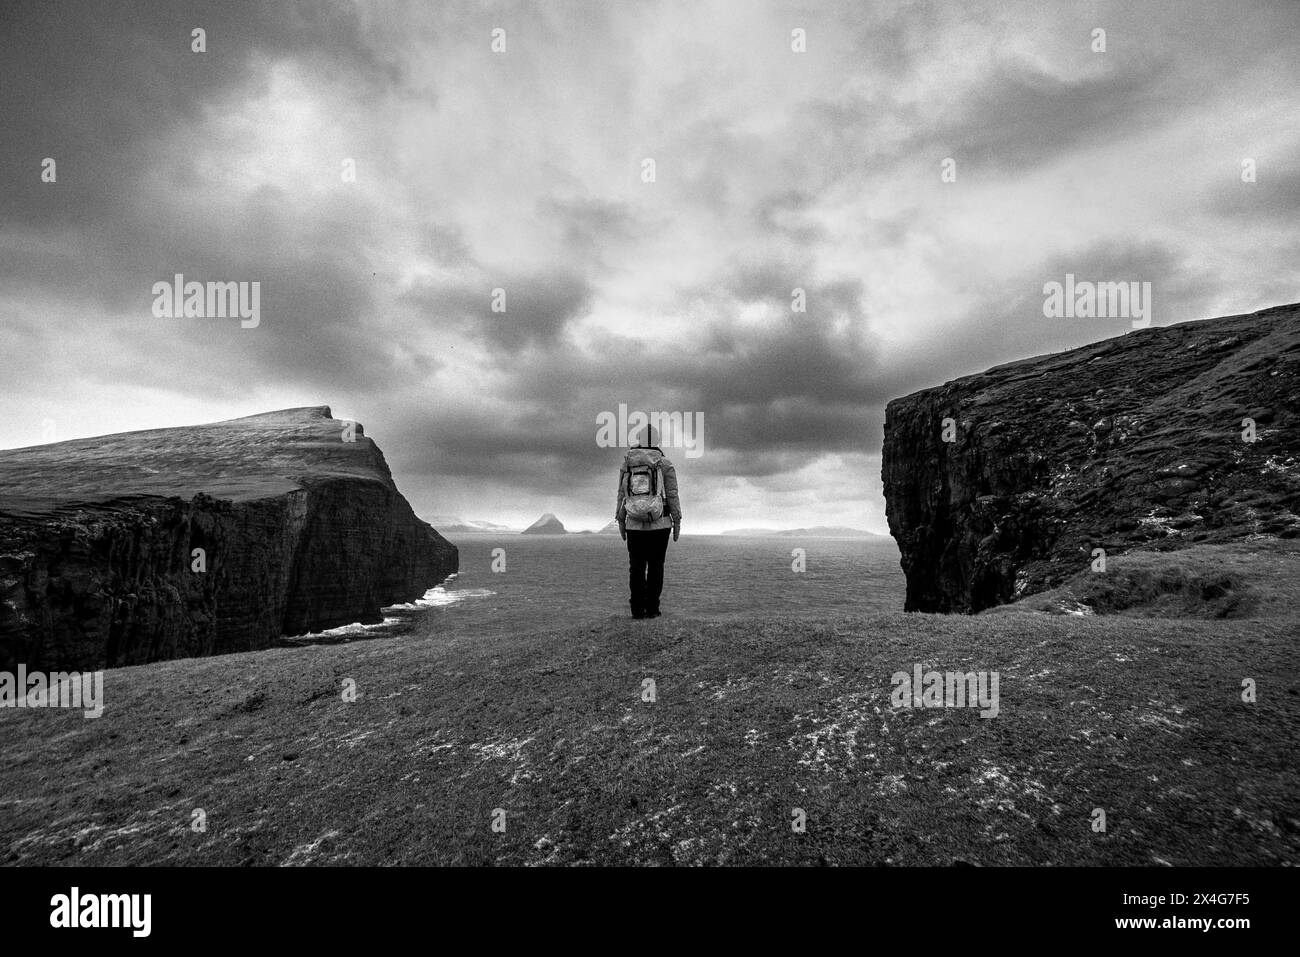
x,y
648,452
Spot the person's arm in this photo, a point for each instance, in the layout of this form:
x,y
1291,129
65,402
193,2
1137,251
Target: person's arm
x,y
670,493
619,514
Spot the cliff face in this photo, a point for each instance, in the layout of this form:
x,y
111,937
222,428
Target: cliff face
x,y
301,531
1133,441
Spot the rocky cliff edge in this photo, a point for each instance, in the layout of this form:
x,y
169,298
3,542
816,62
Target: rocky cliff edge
x,y
1137,442
298,520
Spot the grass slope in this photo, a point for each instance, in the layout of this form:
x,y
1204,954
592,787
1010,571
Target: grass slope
x,y
1140,717
258,456
1248,579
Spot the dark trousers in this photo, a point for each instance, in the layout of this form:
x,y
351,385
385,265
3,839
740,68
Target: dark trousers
x,y
645,579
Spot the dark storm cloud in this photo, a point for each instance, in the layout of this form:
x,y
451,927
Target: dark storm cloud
x,y
783,214
1014,117
894,39
765,278
802,359
539,307
589,226
776,394
531,444
775,281
821,356
100,87
1021,116
93,84
1179,291
1275,194
318,294
1163,58
445,244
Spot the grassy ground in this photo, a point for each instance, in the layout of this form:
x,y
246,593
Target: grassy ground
x,y
1142,718
1257,578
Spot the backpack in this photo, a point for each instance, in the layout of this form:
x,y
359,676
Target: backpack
x,y
643,490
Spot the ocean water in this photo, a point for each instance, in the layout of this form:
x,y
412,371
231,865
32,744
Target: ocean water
x,y
557,581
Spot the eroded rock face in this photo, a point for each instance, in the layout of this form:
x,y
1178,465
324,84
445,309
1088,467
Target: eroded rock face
x,y
300,531
1133,441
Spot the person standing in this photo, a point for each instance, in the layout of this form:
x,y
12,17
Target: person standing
x,y
647,510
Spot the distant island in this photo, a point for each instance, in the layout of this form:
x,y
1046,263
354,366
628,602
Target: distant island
x,y
548,524
450,523
817,531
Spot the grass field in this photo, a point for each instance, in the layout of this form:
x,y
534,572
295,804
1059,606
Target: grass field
x,y
1140,717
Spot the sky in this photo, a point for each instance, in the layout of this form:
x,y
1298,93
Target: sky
x,y
500,159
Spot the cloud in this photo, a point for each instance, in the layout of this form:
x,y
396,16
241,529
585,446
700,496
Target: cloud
x,y
94,85
1021,115
1273,197
537,308
475,171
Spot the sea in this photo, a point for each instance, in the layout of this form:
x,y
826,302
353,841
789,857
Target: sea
x,y
511,583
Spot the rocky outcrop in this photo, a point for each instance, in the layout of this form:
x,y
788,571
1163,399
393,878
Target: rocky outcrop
x,y
1130,442
548,524
299,524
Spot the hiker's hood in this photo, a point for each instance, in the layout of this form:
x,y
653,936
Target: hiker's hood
x,y
646,437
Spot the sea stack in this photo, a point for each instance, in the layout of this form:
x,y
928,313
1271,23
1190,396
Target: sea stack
x,y
1161,438
169,543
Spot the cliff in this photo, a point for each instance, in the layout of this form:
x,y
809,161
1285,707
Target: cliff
x,y
300,529
1132,442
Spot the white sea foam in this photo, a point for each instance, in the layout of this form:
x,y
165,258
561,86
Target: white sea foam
x,y
347,631
439,597
435,597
